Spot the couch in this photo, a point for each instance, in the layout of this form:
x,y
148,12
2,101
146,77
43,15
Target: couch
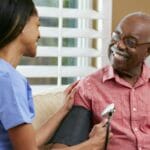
x,y
46,104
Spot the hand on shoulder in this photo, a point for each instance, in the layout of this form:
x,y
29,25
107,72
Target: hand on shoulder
x,y
69,96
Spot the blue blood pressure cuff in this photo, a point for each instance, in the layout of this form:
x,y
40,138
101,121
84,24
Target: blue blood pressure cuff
x,y
75,127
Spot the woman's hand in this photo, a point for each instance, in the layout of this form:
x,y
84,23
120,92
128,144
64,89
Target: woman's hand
x,y
69,96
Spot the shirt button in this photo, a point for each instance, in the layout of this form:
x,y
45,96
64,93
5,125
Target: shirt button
x,y
139,148
135,129
134,109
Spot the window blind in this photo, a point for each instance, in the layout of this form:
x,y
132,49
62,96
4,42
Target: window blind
x,y
74,36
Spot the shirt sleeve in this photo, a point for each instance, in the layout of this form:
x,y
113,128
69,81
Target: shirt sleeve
x,y
16,106
82,96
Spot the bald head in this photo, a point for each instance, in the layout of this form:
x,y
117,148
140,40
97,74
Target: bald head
x,y
138,15
137,22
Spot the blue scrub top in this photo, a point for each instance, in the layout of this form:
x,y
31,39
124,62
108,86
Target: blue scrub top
x,y
16,103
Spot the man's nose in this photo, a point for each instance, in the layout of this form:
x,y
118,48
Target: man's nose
x,y
120,44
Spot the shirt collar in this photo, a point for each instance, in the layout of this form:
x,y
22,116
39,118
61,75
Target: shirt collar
x,y
109,73
146,73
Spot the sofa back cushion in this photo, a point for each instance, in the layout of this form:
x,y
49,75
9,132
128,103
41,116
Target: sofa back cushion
x,y
46,104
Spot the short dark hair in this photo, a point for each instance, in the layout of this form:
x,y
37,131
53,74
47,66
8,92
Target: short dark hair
x,y
14,15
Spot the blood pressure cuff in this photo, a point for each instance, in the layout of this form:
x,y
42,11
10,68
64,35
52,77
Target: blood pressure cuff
x,y
75,127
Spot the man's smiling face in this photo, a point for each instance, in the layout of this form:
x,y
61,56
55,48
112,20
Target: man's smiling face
x,y
126,51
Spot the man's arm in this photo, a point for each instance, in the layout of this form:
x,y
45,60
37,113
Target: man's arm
x,y
69,136
75,127
74,132
96,140
77,124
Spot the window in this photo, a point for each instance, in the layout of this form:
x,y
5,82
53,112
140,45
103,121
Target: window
x,y
73,35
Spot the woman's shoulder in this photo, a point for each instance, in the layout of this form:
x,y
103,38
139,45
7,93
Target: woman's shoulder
x,y
7,70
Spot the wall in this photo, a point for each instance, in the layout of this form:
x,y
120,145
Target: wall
x,y
123,7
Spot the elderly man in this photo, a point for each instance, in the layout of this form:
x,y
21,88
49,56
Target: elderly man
x,y
126,83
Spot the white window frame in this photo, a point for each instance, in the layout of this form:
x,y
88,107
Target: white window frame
x,y
82,52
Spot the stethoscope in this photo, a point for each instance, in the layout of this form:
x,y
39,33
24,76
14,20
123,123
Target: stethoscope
x,y
108,112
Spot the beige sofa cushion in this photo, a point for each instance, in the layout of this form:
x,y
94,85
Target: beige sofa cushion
x,y
46,104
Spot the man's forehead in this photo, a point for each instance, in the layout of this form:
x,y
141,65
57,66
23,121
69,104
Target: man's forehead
x,y
136,27
133,24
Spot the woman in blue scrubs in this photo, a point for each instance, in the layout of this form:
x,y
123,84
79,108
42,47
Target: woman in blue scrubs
x,y
19,34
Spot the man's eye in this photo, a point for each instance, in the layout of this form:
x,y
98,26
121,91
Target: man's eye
x,y
130,42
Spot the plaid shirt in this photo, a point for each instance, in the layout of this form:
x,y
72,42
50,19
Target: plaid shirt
x,y
130,123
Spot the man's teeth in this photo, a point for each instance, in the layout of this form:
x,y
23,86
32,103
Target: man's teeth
x,y
118,53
